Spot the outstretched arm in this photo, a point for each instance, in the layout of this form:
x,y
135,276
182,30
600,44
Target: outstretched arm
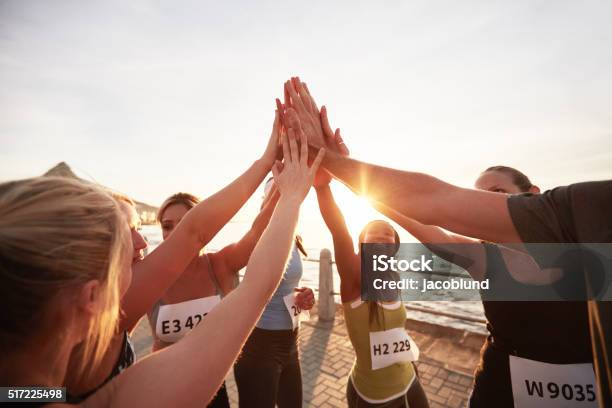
x,y
428,200
229,260
347,262
204,357
158,271
469,253
424,198
466,252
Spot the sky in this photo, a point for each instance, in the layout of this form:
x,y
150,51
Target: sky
x,y
155,97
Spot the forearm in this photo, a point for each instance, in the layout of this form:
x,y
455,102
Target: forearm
x,y
273,248
206,355
331,213
344,251
235,256
206,219
457,249
428,200
423,233
159,270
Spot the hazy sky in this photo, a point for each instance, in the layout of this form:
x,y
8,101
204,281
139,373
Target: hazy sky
x,y
154,97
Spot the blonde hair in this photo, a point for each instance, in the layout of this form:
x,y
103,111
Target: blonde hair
x,y
122,197
56,234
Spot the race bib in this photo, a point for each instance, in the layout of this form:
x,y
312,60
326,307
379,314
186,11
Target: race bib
x,y
176,320
543,385
297,315
392,346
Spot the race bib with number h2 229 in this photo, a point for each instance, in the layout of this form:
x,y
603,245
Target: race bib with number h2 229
x,y
392,346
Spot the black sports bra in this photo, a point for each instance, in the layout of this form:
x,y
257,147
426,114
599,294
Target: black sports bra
x,y
125,359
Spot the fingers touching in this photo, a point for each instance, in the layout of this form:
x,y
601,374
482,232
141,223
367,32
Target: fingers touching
x,y
341,146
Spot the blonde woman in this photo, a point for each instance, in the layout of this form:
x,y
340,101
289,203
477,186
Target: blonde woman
x,y
154,274
65,257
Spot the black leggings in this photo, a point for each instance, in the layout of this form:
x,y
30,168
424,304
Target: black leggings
x,y
414,398
268,371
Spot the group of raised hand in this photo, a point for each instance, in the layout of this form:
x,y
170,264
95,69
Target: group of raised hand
x,y
299,118
85,288
300,113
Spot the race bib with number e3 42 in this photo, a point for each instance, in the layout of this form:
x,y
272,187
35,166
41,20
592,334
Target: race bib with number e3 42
x,y
392,346
176,320
297,314
542,385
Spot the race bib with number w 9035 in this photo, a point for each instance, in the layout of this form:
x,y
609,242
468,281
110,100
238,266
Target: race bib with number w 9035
x,y
392,346
542,385
297,314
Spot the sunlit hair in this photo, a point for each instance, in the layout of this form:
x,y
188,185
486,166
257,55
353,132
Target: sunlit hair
x,y
122,197
186,199
519,179
56,234
134,218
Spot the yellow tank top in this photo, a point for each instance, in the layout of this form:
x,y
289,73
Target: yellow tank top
x,y
383,384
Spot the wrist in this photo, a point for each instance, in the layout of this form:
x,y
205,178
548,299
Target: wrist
x,y
263,164
290,201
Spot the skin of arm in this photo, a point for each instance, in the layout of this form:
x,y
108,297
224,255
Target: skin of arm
x,y
157,272
228,261
231,259
204,357
347,261
190,372
469,253
466,252
427,199
424,198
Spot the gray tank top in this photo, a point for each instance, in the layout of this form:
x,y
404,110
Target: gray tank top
x,y
183,316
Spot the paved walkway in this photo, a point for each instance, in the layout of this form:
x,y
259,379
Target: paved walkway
x,y
327,357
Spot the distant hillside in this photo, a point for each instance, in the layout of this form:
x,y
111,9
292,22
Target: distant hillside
x,y
146,211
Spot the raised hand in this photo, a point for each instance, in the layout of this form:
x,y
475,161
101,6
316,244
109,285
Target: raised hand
x,y
299,100
337,144
272,151
323,177
301,108
294,177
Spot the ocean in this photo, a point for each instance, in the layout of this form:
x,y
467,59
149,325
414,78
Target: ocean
x,y
469,309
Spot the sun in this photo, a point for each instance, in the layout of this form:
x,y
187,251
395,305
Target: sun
x,y
357,210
